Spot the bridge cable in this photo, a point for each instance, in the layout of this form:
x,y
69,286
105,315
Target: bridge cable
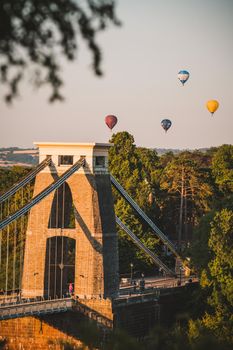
x,y
141,213
146,250
1,240
55,260
49,258
27,250
14,251
21,245
62,242
26,179
35,260
7,251
57,183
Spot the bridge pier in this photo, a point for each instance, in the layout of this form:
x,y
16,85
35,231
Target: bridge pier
x,y
71,235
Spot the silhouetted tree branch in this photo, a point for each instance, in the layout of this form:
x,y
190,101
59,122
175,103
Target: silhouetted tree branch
x,y
33,33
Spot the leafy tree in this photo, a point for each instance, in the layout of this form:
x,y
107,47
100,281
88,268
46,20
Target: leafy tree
x,y
189,184
166,158
134,168
216,275
219,276
149,169
222,168
177,338
11,176
34,33
12,237
123,160
200,251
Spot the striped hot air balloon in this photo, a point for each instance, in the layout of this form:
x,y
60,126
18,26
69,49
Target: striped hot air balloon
x,y
183,76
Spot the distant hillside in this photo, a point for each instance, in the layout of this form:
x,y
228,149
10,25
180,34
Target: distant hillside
x,y
162,151
13,156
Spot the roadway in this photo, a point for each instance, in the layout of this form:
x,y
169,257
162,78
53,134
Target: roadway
x,y
154,283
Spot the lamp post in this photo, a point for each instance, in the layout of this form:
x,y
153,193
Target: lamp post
x,y
35,274
131,273
180,274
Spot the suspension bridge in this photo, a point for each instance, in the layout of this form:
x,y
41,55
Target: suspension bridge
x,y
58,241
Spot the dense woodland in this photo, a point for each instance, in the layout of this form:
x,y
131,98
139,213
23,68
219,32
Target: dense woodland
x,y
188,195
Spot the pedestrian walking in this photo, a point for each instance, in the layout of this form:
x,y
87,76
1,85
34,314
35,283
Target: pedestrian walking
x,y
71,289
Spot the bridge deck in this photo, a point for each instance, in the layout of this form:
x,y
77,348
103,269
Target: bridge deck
x,y
35,308
10,308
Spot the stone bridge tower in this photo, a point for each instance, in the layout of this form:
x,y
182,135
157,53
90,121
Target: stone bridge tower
x,y
71,236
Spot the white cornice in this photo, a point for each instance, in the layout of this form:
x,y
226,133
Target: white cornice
x,y
72,144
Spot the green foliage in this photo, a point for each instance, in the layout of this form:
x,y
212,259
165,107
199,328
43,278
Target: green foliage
x,y
187,192
212,249
206,188
222,167
200,252
11,176
217,278
195,180
175,191
120,340
135,168
174,338
12,238
33,34
200,338
221,244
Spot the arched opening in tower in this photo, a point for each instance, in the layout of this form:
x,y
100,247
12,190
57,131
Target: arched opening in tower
x,y
62,210
59,267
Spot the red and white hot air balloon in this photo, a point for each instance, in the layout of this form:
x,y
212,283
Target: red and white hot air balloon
x,y
111,121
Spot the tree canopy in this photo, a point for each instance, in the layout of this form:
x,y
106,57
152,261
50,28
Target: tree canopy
x,y
34,33
217,278
135,169
222,167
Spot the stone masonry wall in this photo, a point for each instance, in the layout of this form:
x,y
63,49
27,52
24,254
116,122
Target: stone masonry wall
x,y
30,333
96,263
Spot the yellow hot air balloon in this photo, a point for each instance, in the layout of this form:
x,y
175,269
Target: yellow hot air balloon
x,y
212,106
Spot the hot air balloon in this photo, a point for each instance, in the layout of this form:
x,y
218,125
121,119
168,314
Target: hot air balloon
x,y
166,124
110,121
212,106
183,76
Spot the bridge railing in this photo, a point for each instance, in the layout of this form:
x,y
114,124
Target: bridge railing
x,y
35,308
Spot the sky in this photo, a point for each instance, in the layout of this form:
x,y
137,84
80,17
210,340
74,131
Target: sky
x,y
141,60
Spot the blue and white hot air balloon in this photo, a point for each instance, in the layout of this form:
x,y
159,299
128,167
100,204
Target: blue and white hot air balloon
x,y
183,76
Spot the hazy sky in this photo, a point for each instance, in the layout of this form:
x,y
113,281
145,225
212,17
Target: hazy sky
x,y
140,86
